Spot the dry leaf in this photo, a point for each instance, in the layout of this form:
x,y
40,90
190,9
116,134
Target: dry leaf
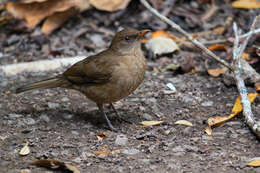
x,y
34,12
56,20
25,150
248,4
55,164
162,33
237,108
217,120
254,162
184,122
108,5
257,86
208,130
218,47
151,123
216,72
101,136
105,151
246,56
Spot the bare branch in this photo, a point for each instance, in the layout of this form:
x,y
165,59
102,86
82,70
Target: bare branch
x,y
178,28
237,53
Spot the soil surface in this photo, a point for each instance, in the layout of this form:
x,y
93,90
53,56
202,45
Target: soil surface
x,y
64,125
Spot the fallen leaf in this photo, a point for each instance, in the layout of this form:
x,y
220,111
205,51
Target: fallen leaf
x,y
56,20
35,11
101,136
55,164
247,4
151,123
246,56
257,86
216,72
254,162
237,108
217,120
25,150
184,122
108,5
105,151
218,47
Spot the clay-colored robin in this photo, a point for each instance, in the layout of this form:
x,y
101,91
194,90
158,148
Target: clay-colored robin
x,y
106,77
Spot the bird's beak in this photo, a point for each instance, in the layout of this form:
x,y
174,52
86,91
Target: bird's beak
x,y
142,33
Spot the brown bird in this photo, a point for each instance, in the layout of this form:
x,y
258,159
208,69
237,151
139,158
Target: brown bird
x,y
107,76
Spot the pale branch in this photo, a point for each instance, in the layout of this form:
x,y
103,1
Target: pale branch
x,y
186,34
237,53
250,33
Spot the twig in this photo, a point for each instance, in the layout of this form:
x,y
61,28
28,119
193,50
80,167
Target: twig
x,y
250,33
178,28
237,53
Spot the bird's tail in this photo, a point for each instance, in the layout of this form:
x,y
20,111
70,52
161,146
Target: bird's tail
x,y
47,83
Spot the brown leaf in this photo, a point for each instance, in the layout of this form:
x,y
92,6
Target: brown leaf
x,y
257,86
25,150
109,5
247,4
254,162
56,20
34,12
216,72
218,47
184,122
55,164
237,108
151,123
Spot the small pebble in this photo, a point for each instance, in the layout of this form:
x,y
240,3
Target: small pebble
x,y
171,87
207,104
121,140
132,151
13,116
67,116
29,121
147,116
53,105
45,118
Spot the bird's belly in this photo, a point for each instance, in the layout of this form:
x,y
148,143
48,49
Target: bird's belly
x,y
112,91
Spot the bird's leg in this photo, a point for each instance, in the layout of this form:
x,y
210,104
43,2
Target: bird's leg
x,y
117,114
101,109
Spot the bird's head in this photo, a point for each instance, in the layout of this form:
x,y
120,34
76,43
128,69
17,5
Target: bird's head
x,y
127,40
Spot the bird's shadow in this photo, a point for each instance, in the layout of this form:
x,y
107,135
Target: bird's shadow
x,y
93,117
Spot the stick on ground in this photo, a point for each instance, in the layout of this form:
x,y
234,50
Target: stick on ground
x,y
237,53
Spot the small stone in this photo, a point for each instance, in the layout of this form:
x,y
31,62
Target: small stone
x,y
54,154
29,121
77,160
45,118
53,105
178,149
75,132
13,116
161,45
171,87
132,151
121,140
67,116
147,116
25,171
207,104
188,99
65,99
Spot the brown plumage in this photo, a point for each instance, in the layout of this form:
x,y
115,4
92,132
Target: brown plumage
x,y
106,77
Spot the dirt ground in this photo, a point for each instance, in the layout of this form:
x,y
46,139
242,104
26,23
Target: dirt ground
x,y
62,124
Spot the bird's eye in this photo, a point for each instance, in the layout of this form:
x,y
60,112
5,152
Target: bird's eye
x,y
127,38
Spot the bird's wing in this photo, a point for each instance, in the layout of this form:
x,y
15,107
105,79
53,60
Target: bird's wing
x,y
91,71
